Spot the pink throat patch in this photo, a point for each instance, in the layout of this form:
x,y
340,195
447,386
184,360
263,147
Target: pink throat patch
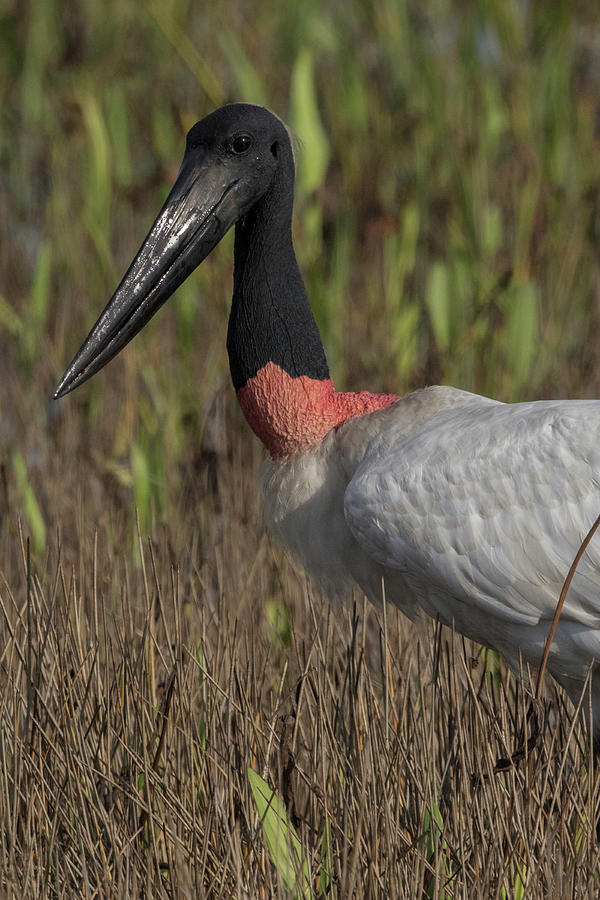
x,y
291,414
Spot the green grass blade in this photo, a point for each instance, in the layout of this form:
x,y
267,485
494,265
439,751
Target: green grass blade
x,y
313,162
280,835
521,332
31,508
438,304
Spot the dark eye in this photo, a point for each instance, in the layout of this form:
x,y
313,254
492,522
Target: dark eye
x,y
240,143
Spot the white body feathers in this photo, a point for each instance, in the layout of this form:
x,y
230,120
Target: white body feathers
x,y
470,509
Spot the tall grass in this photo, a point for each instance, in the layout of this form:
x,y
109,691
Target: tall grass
x,y
156,738
155,646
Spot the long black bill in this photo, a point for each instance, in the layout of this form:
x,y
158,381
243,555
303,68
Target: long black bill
x,y
200,209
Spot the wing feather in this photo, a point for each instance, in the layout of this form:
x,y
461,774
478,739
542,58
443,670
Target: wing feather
x,y
486,506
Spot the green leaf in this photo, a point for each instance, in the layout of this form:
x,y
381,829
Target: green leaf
x,y
520,880
140,470
405,327
312,164
31,509
9,318
399,255
438,304
98,184
41,47
326,871
284,847
278,622
432,823
433,826
491,229
521,331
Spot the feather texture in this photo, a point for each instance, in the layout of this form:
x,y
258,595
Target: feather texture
x,y
469,509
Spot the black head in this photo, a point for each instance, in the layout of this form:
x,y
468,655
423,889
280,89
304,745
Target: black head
x,y
246,140
231,159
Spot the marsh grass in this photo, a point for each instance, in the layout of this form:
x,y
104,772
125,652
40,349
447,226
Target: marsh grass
x,y
162,665
131,729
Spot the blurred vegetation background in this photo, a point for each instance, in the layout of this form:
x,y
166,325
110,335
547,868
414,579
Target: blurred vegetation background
x,y
447,214
447,224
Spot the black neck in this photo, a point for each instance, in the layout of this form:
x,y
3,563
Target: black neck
x,y
271,319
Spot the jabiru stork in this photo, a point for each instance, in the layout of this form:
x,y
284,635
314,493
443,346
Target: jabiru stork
x,y
462,506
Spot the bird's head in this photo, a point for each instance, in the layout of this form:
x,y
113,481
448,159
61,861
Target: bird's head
x,y
230,161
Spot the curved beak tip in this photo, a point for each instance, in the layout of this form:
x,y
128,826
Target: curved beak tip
x,y
73,376
65,385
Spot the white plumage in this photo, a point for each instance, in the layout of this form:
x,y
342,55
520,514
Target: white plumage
x,y
470,509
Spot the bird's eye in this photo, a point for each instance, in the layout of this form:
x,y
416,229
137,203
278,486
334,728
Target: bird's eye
x,y
241,143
